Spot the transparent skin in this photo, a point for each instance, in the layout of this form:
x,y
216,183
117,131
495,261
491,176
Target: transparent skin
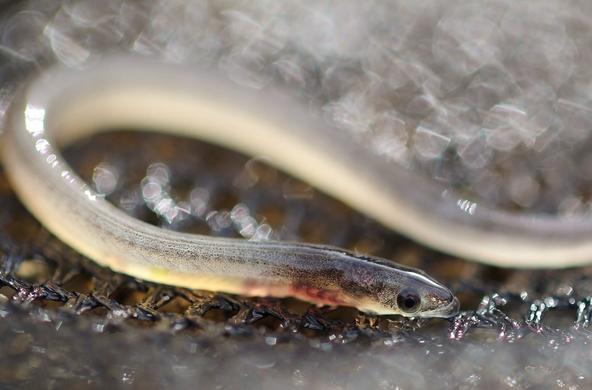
x,y
64,105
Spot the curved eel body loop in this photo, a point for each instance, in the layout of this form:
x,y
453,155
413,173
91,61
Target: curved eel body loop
x,y
63,105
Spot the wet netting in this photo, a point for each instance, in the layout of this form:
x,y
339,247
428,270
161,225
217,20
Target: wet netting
x,y
66,322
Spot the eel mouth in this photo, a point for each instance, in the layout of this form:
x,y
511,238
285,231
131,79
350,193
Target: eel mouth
x,y
447,311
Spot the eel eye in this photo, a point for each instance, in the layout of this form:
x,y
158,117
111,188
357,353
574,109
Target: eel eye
x,y
408,300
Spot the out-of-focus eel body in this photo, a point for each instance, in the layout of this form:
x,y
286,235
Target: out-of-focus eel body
x,y
63,105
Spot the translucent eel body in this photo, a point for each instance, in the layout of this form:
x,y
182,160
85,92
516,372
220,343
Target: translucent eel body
x,y
64,104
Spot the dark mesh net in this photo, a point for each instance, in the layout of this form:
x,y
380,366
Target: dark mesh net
x,y
65,322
